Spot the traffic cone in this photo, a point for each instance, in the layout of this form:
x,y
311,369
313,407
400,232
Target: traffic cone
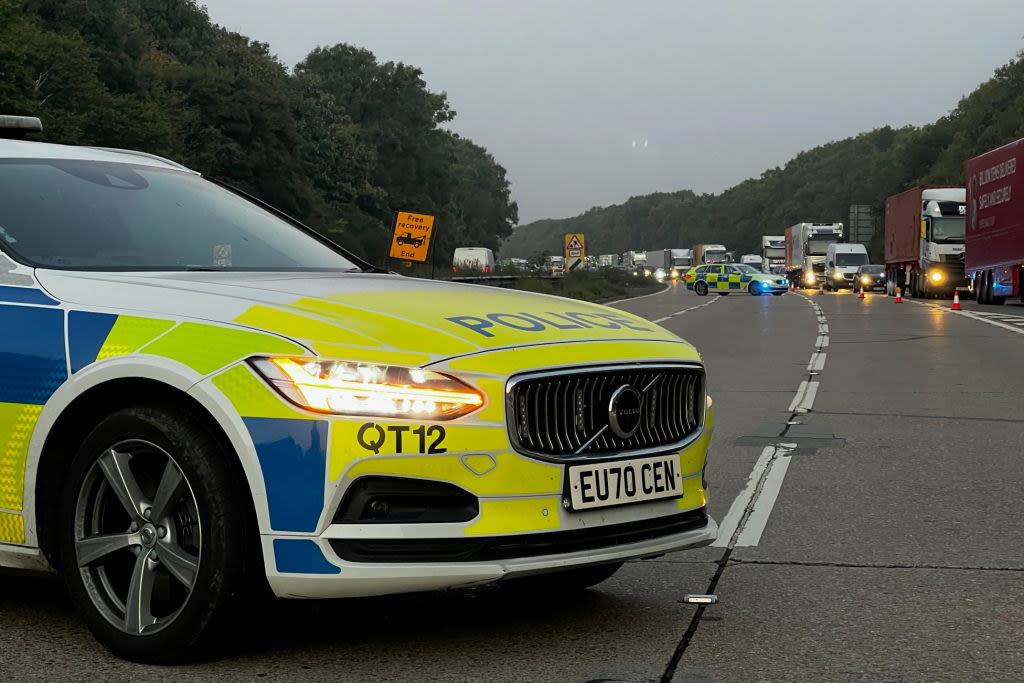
x,y
899,295
861,293
791,287
821,288
956,301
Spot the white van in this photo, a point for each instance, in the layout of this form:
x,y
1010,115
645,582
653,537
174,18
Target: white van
x,y
473,258
841,263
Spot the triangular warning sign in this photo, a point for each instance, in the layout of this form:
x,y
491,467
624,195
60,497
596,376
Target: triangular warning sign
x,y
574,243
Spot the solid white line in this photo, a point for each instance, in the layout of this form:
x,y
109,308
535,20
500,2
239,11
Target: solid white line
x,y
730,523
661,320
970,314
668,288
765,503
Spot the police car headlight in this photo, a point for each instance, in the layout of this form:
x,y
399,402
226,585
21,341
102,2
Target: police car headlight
x,y
350,388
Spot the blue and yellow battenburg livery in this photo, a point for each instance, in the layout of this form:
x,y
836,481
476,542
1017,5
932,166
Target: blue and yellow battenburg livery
x,y
391,434
732,277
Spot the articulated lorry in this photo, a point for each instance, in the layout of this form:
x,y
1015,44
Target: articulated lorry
x,y
708,253
806,246
674,261
773,251
924,241
995,224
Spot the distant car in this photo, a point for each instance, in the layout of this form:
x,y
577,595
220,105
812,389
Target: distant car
x,y
870,277
473,258
407,238
733,277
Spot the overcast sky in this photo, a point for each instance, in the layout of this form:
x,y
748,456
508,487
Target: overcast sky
x,y
589,102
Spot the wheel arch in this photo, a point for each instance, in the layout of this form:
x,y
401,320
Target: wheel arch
x,y
45,476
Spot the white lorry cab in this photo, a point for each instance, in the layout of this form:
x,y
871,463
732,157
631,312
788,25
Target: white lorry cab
x,y
473,258
841,264
753,260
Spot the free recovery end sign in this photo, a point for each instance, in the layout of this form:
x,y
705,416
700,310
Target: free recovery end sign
x,y
411,241
575,251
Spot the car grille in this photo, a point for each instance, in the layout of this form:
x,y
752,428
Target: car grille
x,y
568,414
489,549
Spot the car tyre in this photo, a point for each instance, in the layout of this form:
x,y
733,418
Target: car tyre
x,y
752,288
160,583
700,288
560,582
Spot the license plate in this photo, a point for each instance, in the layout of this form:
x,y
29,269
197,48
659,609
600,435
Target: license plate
x,y
625,481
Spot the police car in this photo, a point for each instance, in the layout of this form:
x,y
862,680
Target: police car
x,y
723,278
197,391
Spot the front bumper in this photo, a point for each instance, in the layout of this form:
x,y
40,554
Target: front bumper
x,y
308,463
337,578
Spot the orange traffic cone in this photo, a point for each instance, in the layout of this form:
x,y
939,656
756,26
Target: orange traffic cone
x,y
791,287
956,301
861,293
899,295
821,288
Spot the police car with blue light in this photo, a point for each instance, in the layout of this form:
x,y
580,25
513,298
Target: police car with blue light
x,y
725,278
201,394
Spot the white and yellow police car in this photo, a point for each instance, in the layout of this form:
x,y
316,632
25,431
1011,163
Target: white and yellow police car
x,y
197,390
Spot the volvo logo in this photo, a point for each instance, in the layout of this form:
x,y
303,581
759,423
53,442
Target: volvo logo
x,y
624,411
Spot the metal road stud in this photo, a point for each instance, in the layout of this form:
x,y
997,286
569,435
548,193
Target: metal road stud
x,y
956,301
694,599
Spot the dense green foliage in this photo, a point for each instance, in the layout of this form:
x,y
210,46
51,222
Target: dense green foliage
x,y
341,142
817,186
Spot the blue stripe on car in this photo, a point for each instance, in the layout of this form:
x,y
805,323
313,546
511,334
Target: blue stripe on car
x,y
32,362
301,556
292,455
26,295
86,334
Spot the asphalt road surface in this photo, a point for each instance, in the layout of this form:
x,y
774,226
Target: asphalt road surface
x,y
867,473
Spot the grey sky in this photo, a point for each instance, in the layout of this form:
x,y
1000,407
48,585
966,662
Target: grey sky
x,y
589,102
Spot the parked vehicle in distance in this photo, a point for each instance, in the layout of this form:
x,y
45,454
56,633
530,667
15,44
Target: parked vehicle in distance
x,y
708,253
806,245
841,263
473,258
632,260
407,238
869,277
924,241
995,224
554,265
773,252
753,260
608,260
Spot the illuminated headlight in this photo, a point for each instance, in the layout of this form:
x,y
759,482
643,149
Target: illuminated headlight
x,y
936,276
837,275
809,278
865,280
675,273
647,273
347,388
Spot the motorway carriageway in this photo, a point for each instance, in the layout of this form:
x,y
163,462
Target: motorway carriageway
x,y
867,471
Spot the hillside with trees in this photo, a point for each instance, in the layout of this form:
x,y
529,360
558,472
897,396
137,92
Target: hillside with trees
x,y
817,185
341,141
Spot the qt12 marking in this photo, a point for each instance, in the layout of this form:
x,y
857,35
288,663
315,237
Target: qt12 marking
x,y
373,437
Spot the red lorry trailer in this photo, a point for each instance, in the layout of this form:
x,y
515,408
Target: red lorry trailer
x,y
924,241
995,223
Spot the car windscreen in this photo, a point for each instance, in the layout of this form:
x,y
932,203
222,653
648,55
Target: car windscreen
x,y
745,268
872,270
848,259
116,216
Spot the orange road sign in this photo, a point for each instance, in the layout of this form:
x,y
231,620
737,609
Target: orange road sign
x,y
575,251
411,240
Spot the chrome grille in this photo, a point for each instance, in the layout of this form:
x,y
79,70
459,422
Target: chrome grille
x,y
565,414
